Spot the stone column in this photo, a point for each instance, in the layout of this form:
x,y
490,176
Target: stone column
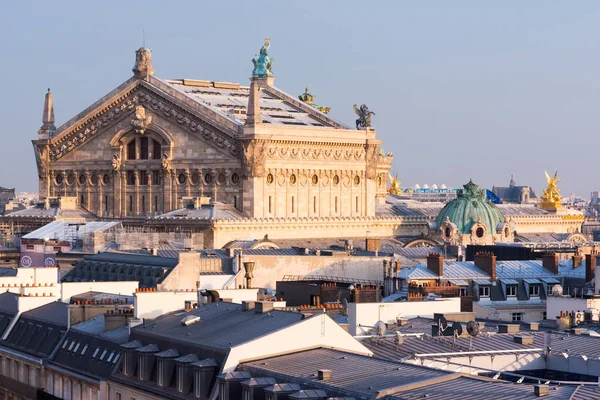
x,y
136,177
64,181
50,186
123,198
167,196
138,148
188,183
150,202
100,199
174,189
88,182
117,192
76,174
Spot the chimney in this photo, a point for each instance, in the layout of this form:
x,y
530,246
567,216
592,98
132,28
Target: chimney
x,y
486,262
435,263
577,260
541,390
550,262
324,374
590,266
249,266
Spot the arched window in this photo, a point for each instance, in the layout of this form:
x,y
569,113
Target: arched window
x,y
156,153
131,150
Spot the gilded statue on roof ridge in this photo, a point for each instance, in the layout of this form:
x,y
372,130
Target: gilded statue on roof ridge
x,y
551,198
263,62
364,116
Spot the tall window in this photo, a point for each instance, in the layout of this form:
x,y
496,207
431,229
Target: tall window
x,y
356,203
105,203
130,203
156,153
143,204
155,203
130,177
315,204
131,150
144,148
143,178
292,203
270,211
156,177
336,204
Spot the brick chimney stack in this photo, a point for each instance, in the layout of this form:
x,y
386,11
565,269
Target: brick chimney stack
x,y
435,263
486,262
577,260
590,266
550,262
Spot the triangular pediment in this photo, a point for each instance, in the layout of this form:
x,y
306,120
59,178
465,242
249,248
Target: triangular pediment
x,y
121,103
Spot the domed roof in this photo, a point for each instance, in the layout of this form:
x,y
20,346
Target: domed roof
x,y
469,207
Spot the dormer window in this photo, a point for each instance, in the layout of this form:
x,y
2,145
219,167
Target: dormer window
x,y
484,291
534,291
511,291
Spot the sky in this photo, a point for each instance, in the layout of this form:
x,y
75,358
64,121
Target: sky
x,y
461,90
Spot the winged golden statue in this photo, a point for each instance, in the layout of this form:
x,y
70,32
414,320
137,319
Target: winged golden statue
x,y
551,198
395,188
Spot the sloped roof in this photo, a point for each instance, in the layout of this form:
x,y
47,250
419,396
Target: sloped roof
x,y
61,230
221,326
207,212
351,374
230,100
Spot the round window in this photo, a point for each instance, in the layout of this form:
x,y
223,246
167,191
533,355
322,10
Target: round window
x,y
315,179
59,179
293,179
479,232
82,179
235,179
181,179
195,178
221,178
336,180
106,179
357,180
71,179
208,179
270,179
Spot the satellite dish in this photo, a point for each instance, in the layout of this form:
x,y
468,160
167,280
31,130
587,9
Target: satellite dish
x,y
473,328
442,323
380,328
457,328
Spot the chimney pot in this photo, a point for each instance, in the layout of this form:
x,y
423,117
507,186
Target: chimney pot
x,y
486,262
550,262
590,266
324,374
435,263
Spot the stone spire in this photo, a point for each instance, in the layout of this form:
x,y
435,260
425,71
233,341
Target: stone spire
x,y
512,181
253,112
48,128
143,63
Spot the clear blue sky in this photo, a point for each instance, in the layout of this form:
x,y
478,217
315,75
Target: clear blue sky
x,y
462,89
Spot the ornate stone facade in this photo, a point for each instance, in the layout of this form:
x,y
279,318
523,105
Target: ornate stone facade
x,y
150,143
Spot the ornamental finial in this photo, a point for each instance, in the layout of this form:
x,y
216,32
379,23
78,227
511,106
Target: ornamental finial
x,y
143,63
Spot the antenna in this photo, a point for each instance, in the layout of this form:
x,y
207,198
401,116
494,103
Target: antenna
x,y
442,325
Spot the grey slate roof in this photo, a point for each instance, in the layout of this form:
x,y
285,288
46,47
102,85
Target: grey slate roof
x,y
351,374
212,211
466,387
221,326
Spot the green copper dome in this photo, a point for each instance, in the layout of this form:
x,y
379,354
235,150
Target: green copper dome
x,y
469,207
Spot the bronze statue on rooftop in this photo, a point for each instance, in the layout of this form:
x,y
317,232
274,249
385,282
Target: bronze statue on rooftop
x,y
364,116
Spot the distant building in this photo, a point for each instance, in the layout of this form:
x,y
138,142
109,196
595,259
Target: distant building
x,y
5,196
513,194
